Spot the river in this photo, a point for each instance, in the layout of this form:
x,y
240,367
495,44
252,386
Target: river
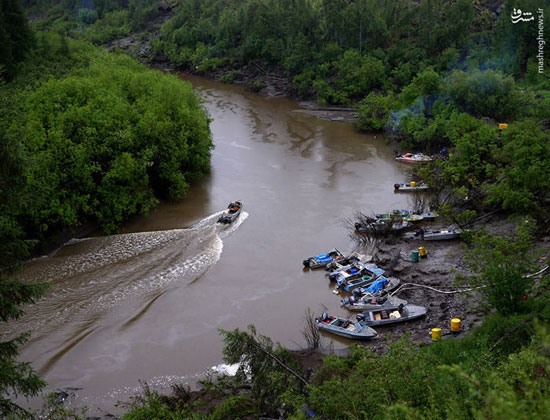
x,y
147,304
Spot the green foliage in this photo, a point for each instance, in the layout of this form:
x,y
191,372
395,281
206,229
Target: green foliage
x,y
523,173
488,93
233,407
470,163
256,355
355,40
500,266
16,377
373,112
113,25
359,74
15,37
105,141
425,84
154,408
86,16
326,94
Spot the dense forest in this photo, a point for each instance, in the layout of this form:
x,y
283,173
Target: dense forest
x,y
431,74
91,136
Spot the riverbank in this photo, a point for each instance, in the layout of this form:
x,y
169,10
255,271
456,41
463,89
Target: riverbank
x,y
272,82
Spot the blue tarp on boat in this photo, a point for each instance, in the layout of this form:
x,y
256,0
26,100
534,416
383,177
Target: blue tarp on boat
x,y
322,258
377,285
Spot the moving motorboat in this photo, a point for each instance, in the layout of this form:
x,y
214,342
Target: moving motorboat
x,y
231,213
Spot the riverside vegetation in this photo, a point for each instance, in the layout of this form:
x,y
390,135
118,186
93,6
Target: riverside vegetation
x,y
430,73
86,137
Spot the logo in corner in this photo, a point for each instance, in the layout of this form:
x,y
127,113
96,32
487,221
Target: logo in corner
x,y
519,16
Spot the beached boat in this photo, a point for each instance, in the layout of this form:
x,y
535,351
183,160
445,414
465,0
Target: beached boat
x,y
410,187
368,275
380,287
428,216
377,289
407,215
344,327
322,260
394,215
441,235
381,317
355,271
343,263
414,218
233,210
381,225
351,284
413,158
435,235
372,304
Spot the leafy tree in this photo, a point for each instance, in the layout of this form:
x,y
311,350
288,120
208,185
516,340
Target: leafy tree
x,y
359,74
16,378
272,369
15,36
488,93
523,174
373,112
501,265
108,140
426,84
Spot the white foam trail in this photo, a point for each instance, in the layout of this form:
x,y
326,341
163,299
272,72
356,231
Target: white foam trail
x,y
209,220
91,276
224,233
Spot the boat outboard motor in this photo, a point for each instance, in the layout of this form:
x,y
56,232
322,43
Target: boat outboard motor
x,y
324,317
348,301
306,263
361,316
333,276
357,226
357,293
396,186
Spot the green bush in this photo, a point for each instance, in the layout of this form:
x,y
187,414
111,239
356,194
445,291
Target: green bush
x,y
500,265
373,112
106,142
489,93
359,74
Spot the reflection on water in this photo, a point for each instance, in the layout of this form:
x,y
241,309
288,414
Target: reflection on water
x,y
147,303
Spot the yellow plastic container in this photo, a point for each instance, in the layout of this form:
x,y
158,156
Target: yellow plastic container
x,y
413,183
436,334
502,126
455,325
422,251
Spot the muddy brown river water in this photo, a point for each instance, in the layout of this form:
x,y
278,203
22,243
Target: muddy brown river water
x,y
147,304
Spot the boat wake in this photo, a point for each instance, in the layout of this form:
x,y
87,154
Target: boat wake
x,y
91,276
